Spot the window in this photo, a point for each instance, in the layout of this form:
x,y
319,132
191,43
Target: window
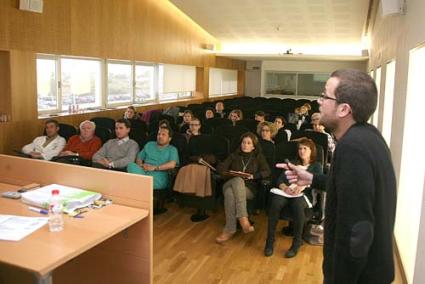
x,y
144,82
295,84
120,83
68,84
223,82
388,101
378,87
412,173
80,83
176,81
46,84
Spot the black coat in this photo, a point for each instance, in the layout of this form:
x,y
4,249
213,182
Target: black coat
x,y
360,209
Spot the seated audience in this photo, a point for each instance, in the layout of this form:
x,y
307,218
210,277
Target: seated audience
x,y
194,128
280,123
131,114
156,158
266,130
187,118
260,116
301,197
119,152
85,144
252,166
209,113
46,147
219,109
235,115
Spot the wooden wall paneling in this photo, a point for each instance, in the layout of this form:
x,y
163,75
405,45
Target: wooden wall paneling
x,y
241,82
5,95
119,24
87,28
206,88
4,31
46,32
23,85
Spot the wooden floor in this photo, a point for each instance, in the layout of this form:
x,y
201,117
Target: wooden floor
x,y
185,252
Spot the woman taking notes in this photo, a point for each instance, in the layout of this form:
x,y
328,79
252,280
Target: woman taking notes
x,y
297,197
243,168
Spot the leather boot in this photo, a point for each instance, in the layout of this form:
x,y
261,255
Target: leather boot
x,y
268,249
293,250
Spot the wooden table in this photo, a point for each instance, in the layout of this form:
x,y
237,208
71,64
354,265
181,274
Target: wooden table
x,y
43,251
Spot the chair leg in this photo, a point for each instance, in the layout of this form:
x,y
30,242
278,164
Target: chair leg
x,y
199,216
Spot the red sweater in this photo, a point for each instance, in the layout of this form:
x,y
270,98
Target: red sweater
x,y
85,149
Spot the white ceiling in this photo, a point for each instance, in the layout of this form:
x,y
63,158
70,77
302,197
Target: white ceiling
x,y
324,27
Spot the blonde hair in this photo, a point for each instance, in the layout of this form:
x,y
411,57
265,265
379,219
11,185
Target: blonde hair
x,y
270,125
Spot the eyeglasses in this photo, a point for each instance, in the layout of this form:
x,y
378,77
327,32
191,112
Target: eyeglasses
x,y
194,124
323,97
265,130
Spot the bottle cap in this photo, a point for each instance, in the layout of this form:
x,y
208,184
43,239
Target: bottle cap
x,y
55,191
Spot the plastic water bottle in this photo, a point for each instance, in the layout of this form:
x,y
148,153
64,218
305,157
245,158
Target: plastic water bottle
x,y
55,213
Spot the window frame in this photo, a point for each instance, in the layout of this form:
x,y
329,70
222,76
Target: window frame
x,y
296,73
106,103
104,88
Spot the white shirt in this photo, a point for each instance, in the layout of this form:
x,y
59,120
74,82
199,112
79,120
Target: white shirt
x,y
51,150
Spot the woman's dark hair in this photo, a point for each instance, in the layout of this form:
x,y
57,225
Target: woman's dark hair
x,y
254,140
281,118
188,111
310,144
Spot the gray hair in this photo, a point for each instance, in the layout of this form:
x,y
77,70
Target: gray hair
x,y
88,121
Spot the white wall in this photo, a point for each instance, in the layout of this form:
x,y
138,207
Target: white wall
x,y
253,78
392,38
324,66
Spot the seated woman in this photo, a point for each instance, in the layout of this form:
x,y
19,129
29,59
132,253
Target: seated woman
x,y
280,123
302,198
187,118
194,128
235,115
249,166
266,130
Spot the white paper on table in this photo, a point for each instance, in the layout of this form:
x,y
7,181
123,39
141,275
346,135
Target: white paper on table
x,y
15,228
284,194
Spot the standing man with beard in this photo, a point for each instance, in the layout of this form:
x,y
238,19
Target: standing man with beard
x,y
361,185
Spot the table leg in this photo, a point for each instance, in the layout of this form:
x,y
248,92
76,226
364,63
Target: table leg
x,y
46,279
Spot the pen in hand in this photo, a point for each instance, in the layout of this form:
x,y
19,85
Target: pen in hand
x,y
38,210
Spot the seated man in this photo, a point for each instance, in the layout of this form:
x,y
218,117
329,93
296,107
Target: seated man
x,y
219,109
46,147
260,116
156,158
85,144
119,152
